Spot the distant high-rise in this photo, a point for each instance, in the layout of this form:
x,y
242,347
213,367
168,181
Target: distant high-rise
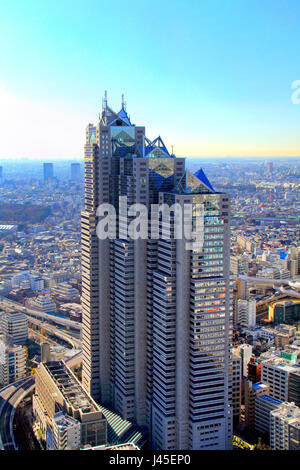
x,y
48,172
45,352
270,167
157,317
75,172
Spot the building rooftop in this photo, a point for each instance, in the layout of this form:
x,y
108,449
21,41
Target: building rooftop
x,y
258,386
269,399
64,421
281,363
70,388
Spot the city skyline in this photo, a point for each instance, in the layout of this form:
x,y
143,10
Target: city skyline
x,y
228,69
150,228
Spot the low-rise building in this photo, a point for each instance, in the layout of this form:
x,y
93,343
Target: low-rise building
x,y
58,390
64,434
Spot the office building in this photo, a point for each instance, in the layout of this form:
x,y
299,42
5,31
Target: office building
x,y
254,370
294,435
45,352
75,172
294,387
156,316
270,167
58,391
284,311
48,172
65,291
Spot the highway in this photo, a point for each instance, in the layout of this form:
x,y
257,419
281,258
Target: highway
x,y
290,292
264,280
270,282
75,343
11,396
37,314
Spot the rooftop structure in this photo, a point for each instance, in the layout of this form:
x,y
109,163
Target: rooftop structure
x,y
72,391
57,389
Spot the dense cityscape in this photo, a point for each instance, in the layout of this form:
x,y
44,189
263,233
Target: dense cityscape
x,y
112,368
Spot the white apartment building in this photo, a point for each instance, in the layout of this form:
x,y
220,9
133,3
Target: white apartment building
x,y
275,372
44,303
245,352
236,384
64,433
239,264
246,312
14,326
65,290
12,363
284,427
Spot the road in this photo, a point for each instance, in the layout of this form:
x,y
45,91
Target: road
x,y
11,396
75,343
37,314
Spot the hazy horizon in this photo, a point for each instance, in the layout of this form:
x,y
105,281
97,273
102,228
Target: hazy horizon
x,y
212,78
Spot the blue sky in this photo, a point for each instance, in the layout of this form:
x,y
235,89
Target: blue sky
x,y
212,77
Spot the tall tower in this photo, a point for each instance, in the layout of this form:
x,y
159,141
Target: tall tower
x,y
48,172
156,316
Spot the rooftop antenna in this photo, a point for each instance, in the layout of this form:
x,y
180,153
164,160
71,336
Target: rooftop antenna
x,y
172,146
123,103
104,106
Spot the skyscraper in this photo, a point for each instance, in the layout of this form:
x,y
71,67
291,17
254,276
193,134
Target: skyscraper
x,y
156,315
48,172
75,172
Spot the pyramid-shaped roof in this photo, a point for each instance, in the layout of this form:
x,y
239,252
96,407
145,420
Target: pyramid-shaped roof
x,y
157,144
124,116
202,177
194,183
